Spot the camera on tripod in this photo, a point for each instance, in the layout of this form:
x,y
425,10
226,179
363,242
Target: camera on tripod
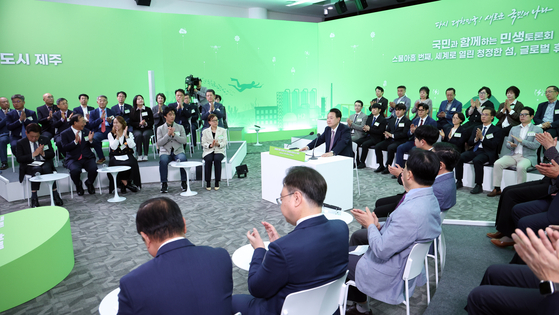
x,y
190,82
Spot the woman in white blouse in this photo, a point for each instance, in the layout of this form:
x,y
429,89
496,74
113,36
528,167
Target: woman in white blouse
x,y
122,153
214,141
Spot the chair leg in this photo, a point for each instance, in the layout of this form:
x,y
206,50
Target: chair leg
x,y
427,275
436,263
358,188
71,188
407,299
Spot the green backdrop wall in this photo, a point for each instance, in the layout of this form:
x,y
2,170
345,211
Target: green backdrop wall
x,y
279,74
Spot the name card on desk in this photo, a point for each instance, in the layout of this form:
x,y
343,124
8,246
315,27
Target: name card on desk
x,y
288,154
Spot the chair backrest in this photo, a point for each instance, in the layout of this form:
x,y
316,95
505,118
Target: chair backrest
x,y
442,250
416,260
354,146
322,300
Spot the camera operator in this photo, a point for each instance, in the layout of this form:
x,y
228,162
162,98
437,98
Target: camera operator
x,y
198,92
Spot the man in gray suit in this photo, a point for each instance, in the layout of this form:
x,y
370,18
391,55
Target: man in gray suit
x,y
523,147
401,99
378,272
356,122
170,140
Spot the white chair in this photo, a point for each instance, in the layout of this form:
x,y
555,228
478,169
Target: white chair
x,y
27,190
415,263
153,146
355,148
11,153
437,253
322,300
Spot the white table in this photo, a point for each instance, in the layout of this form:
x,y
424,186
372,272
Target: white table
x,y
109,304
243,256
49,179
114,170
187,166
336,170
331,214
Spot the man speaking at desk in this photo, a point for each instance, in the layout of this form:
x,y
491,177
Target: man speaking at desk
x,y
336,136
309,256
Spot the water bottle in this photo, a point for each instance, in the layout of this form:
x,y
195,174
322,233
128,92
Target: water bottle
x,y
104,167
38,175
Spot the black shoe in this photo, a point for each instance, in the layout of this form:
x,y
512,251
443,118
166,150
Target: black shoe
x,y
385,171
184,186
164,188
79,189
90,187
35,203
57,200
352,310
459,184
132,187
122,189
477,189
361,165
380,169
4,166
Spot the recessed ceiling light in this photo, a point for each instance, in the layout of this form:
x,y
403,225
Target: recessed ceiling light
x,y
330,8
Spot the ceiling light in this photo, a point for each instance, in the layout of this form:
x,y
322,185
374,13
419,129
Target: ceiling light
x,y
330,8
303,2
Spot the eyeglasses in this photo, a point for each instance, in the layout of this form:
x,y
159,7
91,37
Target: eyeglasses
x,y
523,115
213,120
278,200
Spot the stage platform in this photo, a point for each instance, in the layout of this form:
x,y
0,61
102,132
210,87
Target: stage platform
x,y
11,189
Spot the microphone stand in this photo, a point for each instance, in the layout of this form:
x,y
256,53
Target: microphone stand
x,y
289,145
314,157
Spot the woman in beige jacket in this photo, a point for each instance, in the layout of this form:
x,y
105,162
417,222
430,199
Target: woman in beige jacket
x,y
214,141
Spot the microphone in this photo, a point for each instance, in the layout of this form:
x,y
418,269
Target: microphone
x,y
331,206
314,157
288,146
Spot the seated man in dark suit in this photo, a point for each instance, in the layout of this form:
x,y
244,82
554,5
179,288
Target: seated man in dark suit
x,y
77,142
122,109
84,109
374,128
484,143
181,278
45,114
547,113
101,122
396,133
381,100
448,108
336,136
61,122
212,107
18,119
311,255
191,114
421,119
378,272
521,289
36,149
4,132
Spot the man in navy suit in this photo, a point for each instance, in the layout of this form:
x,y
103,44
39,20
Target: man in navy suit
x,y
101,122
61,122
178,105
374,128
44,114
77,142
122,109
4,132
448,108
18,119
212,107
422,119
311,255
336,136
396,133
182,278
547,114
484,142
84,109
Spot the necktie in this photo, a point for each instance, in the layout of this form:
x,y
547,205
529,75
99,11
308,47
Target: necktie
x,y
374,120
80,142
397,121
36,146
332,140
479,142
122,109
421,122
23,133
103,128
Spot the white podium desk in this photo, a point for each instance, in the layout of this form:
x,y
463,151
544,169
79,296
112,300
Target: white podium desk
x,y
336,170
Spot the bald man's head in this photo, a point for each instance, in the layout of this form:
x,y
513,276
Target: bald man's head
x,y
4,103
48,99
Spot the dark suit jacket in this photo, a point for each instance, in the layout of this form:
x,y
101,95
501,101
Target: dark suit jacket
x,y
43,115
428,121
79,110
95,120
24,155
73,150
383,102
157,119
125,114
218,111
400,132
342,140
181,279
4,122
60,124
311,255
513,119
178,112
193,113
136,118
14,125
490,146
377,129
457,141
540,112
